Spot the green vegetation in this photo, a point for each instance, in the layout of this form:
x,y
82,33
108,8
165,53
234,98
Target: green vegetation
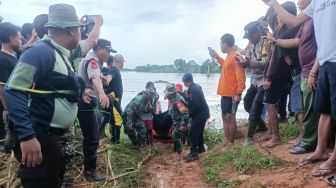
x,y
243,160
182,66
289,130
213,137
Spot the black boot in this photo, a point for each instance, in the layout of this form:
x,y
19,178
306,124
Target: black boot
x,y
102,133
261,126
94,176
250,132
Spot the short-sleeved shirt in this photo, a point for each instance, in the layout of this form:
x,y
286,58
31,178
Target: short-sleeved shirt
x,y
307,48
88,68
258,56
323,13
116,84
40,67
7,65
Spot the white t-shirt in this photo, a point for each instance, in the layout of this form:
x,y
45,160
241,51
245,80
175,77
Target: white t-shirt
x,y
323,13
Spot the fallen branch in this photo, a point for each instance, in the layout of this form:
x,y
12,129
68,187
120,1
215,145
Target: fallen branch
x,y
9,175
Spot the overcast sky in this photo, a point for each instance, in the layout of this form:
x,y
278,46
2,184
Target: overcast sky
x,y
155,31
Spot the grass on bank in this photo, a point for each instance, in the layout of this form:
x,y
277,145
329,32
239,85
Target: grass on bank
x,y
120,163
244,161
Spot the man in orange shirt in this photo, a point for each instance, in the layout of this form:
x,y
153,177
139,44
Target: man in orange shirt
x,y
231,85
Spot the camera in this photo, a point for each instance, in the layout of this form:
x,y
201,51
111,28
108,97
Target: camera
x,y
88,26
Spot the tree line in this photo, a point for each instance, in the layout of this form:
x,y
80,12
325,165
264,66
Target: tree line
x,y
181,66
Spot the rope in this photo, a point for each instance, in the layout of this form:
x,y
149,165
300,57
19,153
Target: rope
x,y
20,88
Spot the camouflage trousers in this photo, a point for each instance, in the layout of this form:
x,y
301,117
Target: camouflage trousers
x,y
69,153
138,132
177,139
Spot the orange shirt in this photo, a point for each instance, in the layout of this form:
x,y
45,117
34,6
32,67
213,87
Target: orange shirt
x,y
232,80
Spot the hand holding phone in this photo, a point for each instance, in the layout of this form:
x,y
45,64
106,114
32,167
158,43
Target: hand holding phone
x,y
212,52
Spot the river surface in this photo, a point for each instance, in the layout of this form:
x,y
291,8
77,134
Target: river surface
x,y
135,82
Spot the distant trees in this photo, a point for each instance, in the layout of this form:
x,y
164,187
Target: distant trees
x,y
182,66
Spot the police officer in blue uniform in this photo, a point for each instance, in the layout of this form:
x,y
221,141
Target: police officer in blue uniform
x,y
199,112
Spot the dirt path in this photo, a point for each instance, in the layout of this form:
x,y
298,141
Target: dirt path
x,y
289,176
166,171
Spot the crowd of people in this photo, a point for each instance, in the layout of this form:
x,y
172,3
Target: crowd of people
x,y
52,72
295,58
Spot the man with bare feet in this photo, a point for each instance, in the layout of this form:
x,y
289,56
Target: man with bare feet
x,y
323,13
277,76
306,42
231,85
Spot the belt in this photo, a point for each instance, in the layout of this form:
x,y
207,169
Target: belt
x,y
57,131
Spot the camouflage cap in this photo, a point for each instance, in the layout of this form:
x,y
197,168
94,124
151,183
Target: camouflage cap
x,y
170,89
152,93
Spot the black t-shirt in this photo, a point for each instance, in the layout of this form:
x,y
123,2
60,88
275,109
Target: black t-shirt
x,y
7,65
290,33
115,85
277,68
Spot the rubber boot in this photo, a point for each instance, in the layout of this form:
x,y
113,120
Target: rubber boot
x,y
250,132
102,133
261,126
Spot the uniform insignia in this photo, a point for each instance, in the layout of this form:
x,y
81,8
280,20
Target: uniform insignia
x,y
181,107
94,64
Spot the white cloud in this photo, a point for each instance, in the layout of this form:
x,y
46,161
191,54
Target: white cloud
x,y
156,31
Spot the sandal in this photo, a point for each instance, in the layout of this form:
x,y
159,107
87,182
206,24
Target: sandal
x,y
332,181
323,171
307,161
299,149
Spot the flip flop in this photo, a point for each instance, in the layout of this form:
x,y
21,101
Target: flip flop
x,y
332,181
307,161
325,171
299,149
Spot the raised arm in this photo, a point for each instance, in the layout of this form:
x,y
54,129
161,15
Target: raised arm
x,y
95,33
286,17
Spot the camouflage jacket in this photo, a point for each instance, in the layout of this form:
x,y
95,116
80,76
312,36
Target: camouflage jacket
x,y
139,105
179,112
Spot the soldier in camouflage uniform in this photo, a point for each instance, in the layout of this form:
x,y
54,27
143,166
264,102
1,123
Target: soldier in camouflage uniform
x,y
179,114
133,124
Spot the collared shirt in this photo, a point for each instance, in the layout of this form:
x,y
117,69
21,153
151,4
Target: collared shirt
x,y
88,68
323,13
258,56
40,67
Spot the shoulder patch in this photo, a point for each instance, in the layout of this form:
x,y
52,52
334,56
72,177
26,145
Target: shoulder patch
x,y
93,64
180,106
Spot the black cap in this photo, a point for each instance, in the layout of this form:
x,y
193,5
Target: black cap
x,y
102,43
251,29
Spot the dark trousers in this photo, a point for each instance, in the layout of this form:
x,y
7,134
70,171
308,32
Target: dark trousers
x,y
282,105
89,124
2,126
196,133
115,133
257,104
50,172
